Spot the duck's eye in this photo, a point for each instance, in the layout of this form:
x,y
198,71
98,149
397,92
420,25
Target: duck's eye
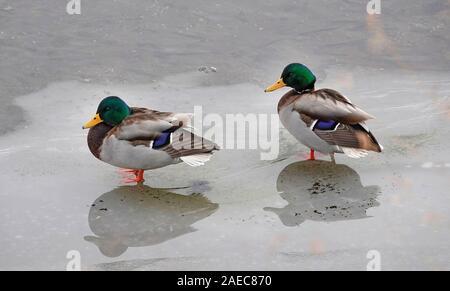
x,y
107,108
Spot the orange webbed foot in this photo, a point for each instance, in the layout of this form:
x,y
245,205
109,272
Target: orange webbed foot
x,y
138,176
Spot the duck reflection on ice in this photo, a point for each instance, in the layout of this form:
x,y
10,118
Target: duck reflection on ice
x,y
135,216
322,191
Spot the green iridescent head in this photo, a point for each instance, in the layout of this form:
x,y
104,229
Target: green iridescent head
x,y
112,111
296,76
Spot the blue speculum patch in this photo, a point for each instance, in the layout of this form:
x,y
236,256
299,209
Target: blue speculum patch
x,y
162,140
326,125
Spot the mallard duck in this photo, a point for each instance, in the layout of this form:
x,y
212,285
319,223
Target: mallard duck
x,y
139,139
323,120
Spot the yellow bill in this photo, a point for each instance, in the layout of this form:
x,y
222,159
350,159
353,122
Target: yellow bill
x,y
93,122
277,85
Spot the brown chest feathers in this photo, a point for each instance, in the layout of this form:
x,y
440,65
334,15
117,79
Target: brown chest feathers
x,y
96,136
287,99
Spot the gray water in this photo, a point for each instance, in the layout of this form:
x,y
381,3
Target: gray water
x,y
237,211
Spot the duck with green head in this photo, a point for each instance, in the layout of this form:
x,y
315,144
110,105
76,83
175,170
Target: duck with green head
x,y
323,120
139,139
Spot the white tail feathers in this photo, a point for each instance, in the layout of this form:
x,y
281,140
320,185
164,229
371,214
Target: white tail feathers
x,y
196,160
355,153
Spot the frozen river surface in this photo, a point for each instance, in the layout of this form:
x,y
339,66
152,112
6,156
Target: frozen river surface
x,y
237,211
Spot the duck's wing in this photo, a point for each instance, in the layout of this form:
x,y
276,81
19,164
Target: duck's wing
x,y
353,139
327,104
333,118
164,131
145,124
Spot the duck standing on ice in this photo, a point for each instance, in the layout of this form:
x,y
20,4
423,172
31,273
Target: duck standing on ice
x,y
139,139
323,120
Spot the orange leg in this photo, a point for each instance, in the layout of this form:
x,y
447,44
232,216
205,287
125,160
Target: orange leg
x,y
139,176
312,156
